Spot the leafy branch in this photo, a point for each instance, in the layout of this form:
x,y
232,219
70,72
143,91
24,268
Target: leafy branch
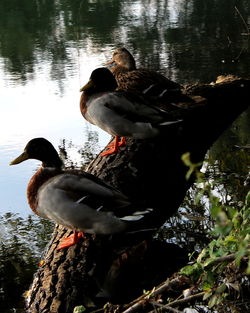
x,y
229,250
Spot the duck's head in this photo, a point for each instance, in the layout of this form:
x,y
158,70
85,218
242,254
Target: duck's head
x,y
40,149
123,58
101,80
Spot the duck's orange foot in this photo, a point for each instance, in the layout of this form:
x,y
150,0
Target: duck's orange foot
x,y
70,241
114,145
116,141
109,151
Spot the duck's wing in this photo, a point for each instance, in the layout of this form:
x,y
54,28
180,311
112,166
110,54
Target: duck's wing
x,y
141,79
79,184
133,107
94,179
82,204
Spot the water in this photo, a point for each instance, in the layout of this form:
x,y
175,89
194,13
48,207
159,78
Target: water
x,y
49,48
37,109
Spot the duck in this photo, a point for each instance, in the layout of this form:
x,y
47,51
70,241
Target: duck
x,y
74,198
131,78
120,113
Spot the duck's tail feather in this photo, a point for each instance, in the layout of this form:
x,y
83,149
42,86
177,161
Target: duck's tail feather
x,y
167,123
136,216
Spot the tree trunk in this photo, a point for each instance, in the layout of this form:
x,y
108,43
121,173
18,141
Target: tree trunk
x,y
152,174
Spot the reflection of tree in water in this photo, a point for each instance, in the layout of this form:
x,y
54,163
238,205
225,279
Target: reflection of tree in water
x,y
90,148
21,246
231,157
86,153
36,33
179,38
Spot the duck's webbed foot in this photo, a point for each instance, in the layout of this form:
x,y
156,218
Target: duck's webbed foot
x,y
113,147
70,241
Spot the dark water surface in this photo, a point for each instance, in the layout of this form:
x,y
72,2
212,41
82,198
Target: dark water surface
x,y
49,48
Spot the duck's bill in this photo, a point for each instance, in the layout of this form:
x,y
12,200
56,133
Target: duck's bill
x,y
110,62
89,85
24,156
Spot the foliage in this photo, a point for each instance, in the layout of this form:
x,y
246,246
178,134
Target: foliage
x,y
224,264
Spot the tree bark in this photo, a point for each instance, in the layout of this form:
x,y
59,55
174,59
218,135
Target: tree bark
x,y
152,174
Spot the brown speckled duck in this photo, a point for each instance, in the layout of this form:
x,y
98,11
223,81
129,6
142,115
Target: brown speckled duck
x,y
74,198
130,78
120,113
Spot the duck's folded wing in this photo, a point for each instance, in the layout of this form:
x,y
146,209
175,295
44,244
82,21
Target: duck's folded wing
x,y
57,205
94,179
64,200
82,185
133,107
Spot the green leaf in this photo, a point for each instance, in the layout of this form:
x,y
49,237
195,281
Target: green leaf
x,y
209,278
206,286
214,300
232,212
79,309
221,288
209,261
202,255
241,252
207,295
214,210
193,271
248,268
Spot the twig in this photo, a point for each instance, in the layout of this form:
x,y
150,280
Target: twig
x,y
139,302
244,22
247,33
179,302
173,310
227,258
187,299
162,306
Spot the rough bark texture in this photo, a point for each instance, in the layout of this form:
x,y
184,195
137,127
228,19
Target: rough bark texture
x,y
152,174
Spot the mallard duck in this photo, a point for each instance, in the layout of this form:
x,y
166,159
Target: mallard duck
x,y
130,78
74,198
120,113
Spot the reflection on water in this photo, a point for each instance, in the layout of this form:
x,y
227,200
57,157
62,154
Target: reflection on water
x,y
178,34
49,48
21,246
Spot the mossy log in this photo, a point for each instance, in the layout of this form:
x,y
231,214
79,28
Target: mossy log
x,y
152,174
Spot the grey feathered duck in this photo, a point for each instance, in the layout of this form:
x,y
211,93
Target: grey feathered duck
x,y
120,113
73,198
